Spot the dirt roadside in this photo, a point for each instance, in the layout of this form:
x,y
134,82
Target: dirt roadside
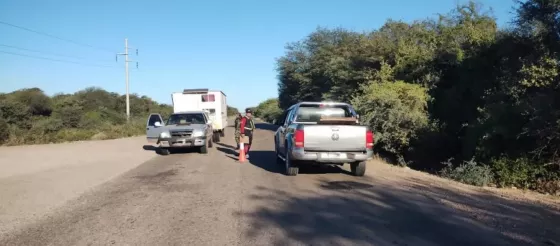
x,y
37,178
518,214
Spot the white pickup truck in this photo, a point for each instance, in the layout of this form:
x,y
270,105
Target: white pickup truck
x,y
322,133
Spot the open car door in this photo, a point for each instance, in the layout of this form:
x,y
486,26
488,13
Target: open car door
x,y
153,131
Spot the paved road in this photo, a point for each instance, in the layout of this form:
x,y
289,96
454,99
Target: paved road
x,y
193,199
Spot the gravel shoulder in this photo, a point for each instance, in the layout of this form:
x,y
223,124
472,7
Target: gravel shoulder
x,y
35,179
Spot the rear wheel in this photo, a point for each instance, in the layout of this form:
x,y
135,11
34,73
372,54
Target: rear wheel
x,y
216,137
223,133
358,168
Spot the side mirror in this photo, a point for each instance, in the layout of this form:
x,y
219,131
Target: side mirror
x,y
274,122
157,124
358,116
209,122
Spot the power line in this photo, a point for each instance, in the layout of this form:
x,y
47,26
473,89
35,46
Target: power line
x,y
39,51
55,60
55,37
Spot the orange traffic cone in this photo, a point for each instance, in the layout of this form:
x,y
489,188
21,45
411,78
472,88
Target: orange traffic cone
x,y
241,152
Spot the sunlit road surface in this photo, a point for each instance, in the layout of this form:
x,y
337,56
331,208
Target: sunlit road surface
x,y
195,199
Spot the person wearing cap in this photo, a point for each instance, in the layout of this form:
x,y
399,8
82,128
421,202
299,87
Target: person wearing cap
x,y
246,128
237,133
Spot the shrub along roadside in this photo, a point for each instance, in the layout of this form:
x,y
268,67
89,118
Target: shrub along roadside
x,y
28,116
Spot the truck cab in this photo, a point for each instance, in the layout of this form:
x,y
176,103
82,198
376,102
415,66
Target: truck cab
x,y
189,129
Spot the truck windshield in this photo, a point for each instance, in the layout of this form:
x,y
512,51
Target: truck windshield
x,y
179,119
313,113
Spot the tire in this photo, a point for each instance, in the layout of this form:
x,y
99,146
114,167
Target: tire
x,y
358,168
204,148
216,137
210,143
223,133
164,151
291,168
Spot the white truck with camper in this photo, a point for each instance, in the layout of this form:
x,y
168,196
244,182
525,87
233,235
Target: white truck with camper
x,y
322,133
187,129
212,101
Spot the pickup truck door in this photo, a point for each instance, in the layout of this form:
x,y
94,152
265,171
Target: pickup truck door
x,y
278,134
152,131
283,130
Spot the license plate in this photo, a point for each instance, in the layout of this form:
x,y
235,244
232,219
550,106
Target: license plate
x,y
164,143
330,155
187,143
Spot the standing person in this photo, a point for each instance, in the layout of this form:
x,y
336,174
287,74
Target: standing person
x,y
247,128
237,134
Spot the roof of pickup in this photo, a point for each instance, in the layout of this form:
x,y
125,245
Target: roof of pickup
x,y
319,103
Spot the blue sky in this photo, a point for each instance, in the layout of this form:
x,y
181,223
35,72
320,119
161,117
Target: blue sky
x,y
227,45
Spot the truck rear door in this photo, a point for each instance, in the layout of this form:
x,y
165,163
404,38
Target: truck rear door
x,y
334,138
320,137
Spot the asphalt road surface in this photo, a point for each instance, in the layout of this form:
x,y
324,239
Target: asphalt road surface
x,y
194,199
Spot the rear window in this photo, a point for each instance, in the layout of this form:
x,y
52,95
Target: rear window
x,y
313,113
180,119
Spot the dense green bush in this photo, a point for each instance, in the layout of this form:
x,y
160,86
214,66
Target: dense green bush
x,y
453,87
28,116
231,111
395,110
268,110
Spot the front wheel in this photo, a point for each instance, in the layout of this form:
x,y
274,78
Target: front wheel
x,y
164,151
204,148
358,168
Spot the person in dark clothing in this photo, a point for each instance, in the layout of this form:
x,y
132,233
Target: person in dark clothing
x,y
247,128
237,133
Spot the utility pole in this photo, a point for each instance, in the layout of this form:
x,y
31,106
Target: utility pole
x,y
126,61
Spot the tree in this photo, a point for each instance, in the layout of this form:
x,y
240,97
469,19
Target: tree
x,y
231,111
268,110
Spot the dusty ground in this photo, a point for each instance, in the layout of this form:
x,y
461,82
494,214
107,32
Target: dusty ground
x,y
193,199
36,179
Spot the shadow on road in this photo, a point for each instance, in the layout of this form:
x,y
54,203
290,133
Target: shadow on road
x,y
227,151
157,150
357,213
150,147
225,145
266,160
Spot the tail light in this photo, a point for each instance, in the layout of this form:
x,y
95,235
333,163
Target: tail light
x,y
369,139
298,138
